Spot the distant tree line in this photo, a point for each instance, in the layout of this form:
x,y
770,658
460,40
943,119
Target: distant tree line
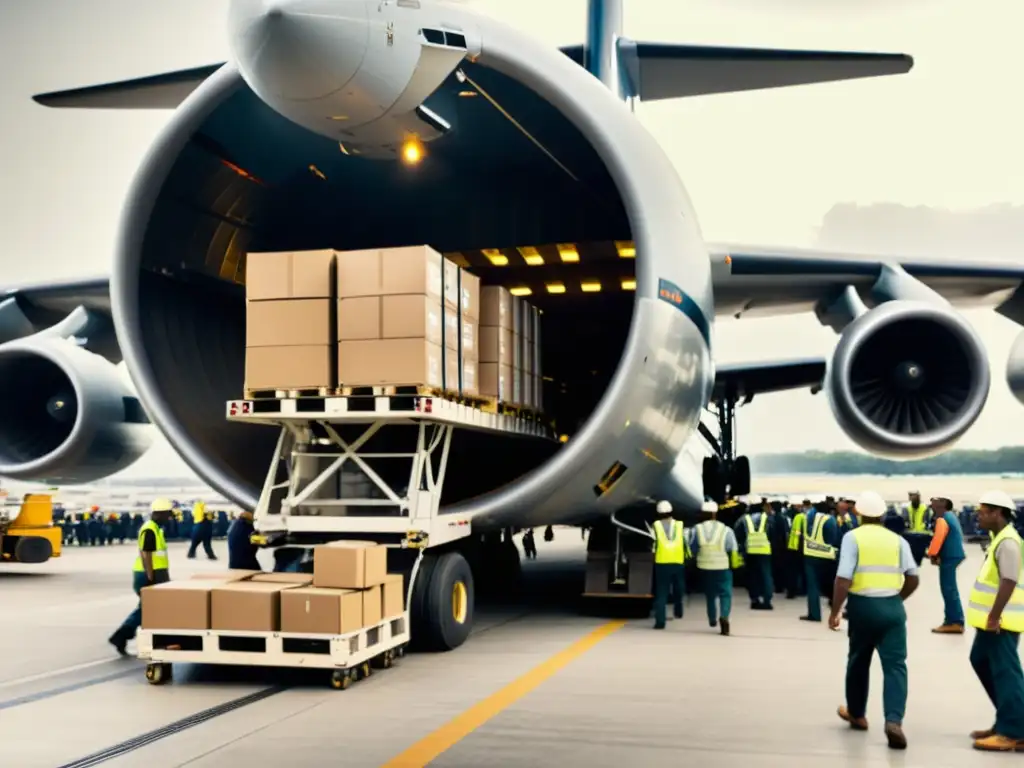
x,y
999,461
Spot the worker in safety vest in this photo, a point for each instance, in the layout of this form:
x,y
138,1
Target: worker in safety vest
x,y
947,551
917,514
795,551
878,573
753,532
714,545
669,559
821,538
152,566
202,531
996,610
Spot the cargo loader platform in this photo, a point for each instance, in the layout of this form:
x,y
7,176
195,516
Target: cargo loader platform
x,y
350,656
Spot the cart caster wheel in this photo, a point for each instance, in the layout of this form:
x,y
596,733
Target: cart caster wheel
x,y
400,652
158,674
389,659
364,670
341,679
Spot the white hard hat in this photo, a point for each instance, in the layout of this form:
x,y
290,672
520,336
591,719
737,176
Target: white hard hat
x,y
709,506
869,504
664,508
998,499
162,505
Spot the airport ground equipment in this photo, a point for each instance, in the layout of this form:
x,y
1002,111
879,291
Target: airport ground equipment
x,y
373,467
349,657
27,532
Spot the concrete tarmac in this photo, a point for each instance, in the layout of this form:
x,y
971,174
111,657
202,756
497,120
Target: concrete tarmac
x,y
537,684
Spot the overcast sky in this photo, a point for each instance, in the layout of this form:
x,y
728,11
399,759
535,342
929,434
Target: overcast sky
x,y
760,167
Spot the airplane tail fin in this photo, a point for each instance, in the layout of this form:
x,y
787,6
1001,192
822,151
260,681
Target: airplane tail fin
x,y
654,71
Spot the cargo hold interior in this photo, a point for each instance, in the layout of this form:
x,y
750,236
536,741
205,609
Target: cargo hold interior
x,y
528,205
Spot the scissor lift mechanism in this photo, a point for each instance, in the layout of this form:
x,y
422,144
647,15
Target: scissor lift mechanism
x,y
297,495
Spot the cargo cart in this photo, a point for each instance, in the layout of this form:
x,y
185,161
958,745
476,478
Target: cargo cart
x,y
371,464
349,657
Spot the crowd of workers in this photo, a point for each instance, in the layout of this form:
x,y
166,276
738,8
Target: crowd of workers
x,y
850,551
191,522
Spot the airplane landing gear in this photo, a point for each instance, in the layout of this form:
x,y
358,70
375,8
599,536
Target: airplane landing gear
x,y
726,475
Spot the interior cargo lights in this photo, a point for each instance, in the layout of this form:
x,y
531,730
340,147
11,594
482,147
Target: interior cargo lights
x,y
628,284
496,257
568,252
626,249
531,256
555,287
590,286
521,290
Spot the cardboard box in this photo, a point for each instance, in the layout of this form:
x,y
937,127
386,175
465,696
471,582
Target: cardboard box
x,y
296,579
451,370
495,380
360,273
290,275
451,329
247,606
415,269
288,322
360,319
495,306
411,317
390,361
178,604
516,396
393,596
526,391
518,315
372,605
469,377
311,610
469,295
469,345
296,367
349,565
451,283
236,574
494,345
529,358
517,351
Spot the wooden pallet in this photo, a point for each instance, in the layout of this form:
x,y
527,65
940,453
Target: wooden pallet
x,y
392,390
287,394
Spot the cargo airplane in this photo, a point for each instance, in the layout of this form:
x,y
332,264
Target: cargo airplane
x,y
354,124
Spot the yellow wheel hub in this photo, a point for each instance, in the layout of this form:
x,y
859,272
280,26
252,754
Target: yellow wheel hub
x,y
460,602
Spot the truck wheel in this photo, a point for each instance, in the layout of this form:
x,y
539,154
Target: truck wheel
x,y
443,602
32,550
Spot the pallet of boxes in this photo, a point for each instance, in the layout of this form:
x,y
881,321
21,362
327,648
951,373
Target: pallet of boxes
x,y
348,617
385,322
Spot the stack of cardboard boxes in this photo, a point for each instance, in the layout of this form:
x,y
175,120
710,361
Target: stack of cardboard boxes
x,y
382,317
509,349
350,589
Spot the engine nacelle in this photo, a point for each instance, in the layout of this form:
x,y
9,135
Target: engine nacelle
x,y
907,379
1015,368
355,71
65,414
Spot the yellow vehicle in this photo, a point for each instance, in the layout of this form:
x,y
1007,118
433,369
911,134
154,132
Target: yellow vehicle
x,y
27,532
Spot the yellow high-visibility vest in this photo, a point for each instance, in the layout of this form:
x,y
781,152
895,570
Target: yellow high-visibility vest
x,y
878,572
799,524
983,594
814,541
160,560
711,555
669,549
757,538
916,518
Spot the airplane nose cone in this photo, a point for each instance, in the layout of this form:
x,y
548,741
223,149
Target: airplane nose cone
x,y
298,50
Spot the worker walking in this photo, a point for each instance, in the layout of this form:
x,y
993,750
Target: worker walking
x,y
878,573
795,551
917,514
714,545
202,531
821,538
947,551
152,566
753,532
241,550
669,563
996,610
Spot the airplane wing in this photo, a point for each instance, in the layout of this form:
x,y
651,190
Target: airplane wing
x,y
761,282
32,308
739,382
163,91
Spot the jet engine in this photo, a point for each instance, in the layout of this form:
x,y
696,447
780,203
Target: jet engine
x,y
66,415
907,379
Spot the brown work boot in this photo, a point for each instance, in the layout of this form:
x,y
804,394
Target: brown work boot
x,y
856,723
984,734
997,743
949,629
894,735
724,625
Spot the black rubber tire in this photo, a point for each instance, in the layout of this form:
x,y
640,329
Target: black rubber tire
x,y
418,604
438,627
32,550
740,480
714,479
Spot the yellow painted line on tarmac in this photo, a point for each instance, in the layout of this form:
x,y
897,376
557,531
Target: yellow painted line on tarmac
x,y
422,752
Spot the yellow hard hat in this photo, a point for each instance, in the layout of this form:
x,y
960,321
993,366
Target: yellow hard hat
x,y
161,505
